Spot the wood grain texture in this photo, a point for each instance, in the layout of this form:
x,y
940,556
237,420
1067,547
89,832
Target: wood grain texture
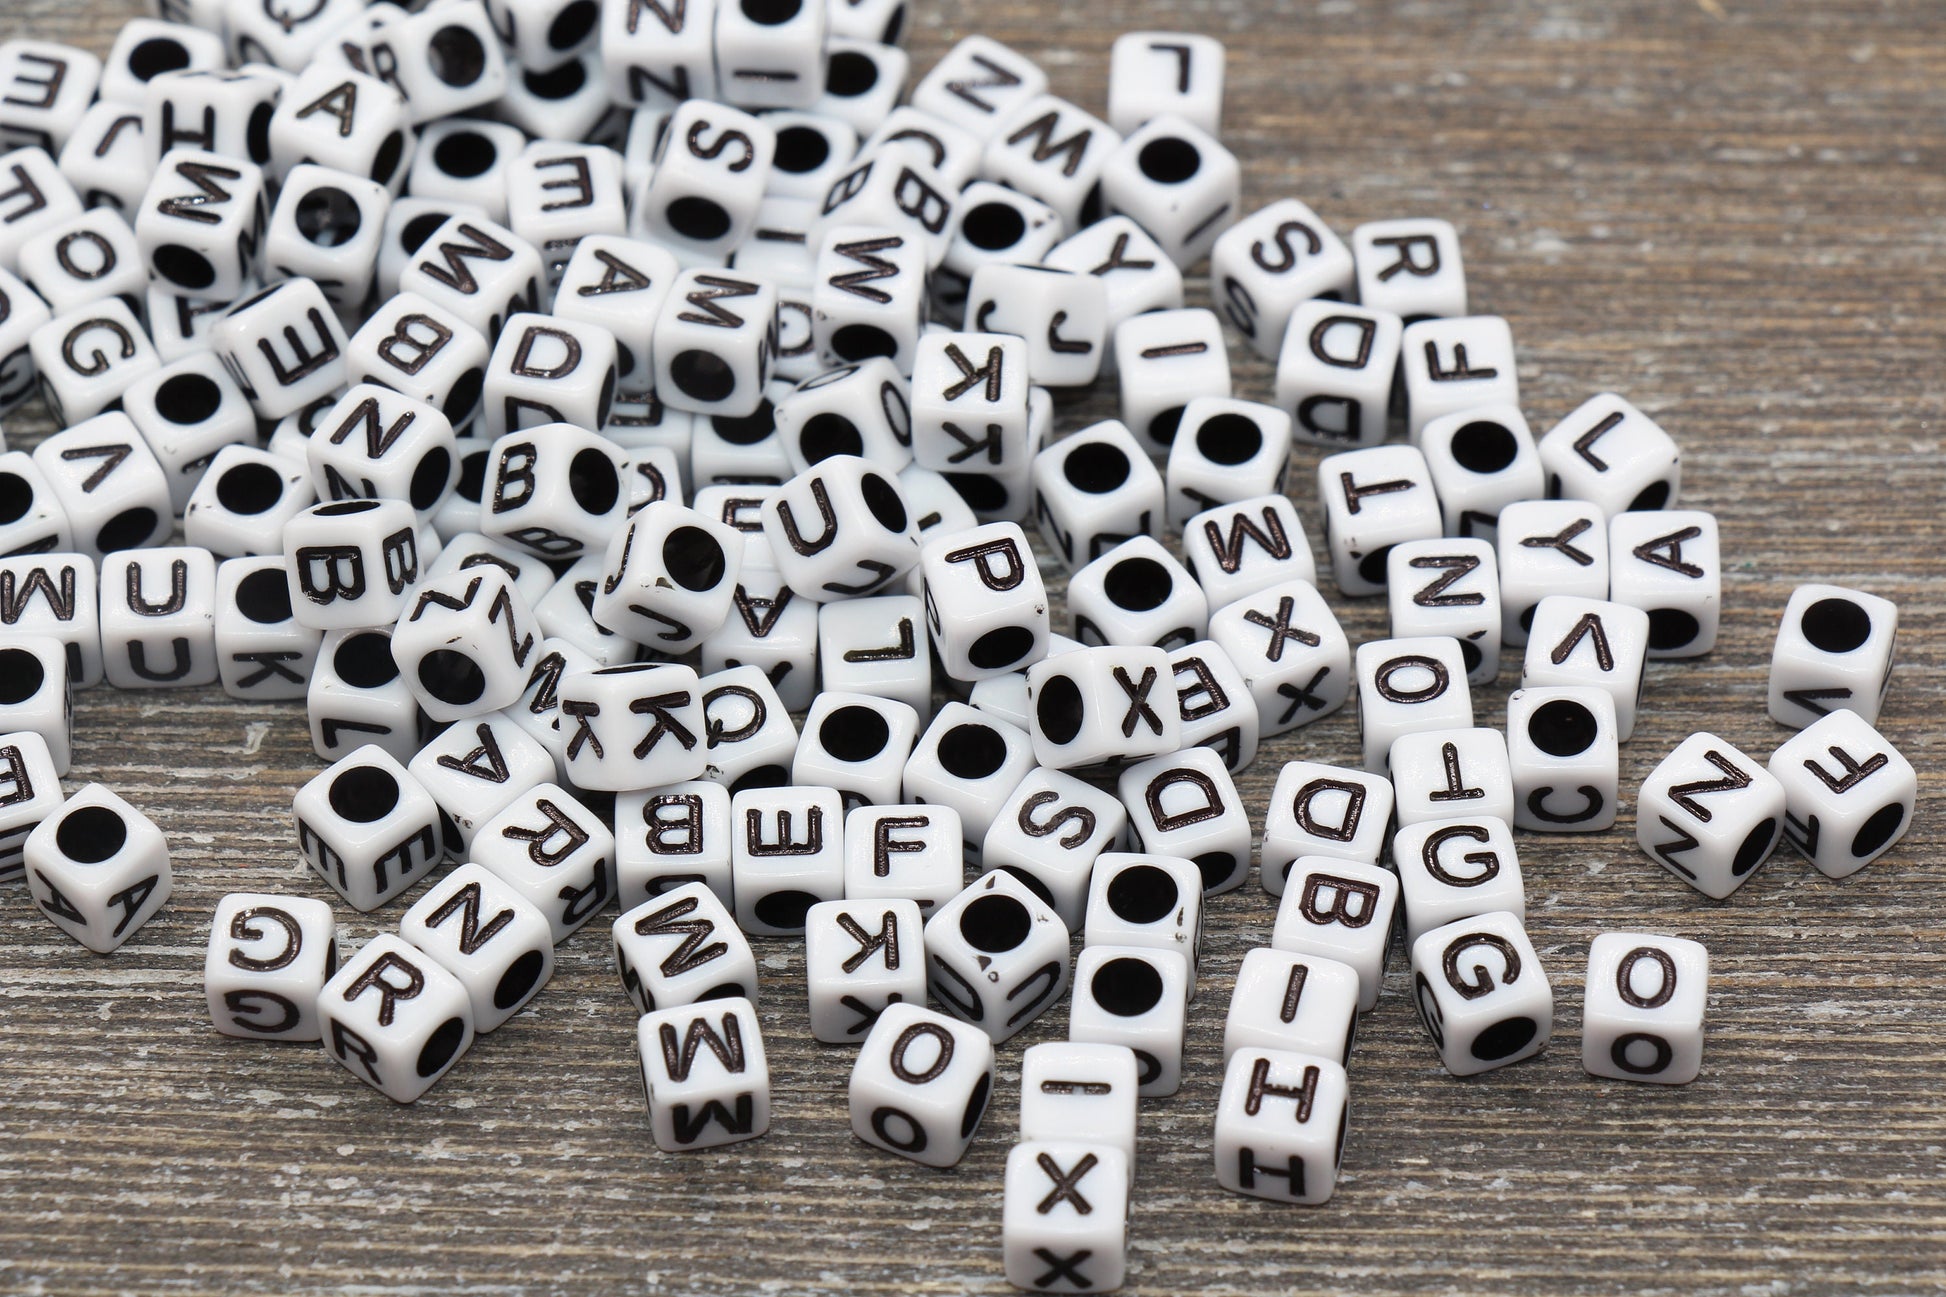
x,y
1728,211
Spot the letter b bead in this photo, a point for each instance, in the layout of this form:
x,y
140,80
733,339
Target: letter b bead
x,y
350,562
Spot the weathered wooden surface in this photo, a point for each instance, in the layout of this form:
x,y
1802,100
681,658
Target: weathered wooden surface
x,y
1728,211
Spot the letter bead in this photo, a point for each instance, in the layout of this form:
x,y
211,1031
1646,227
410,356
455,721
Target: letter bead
x,y
861,956
48,90
89,358
395,1018
841,529
1305,1003
1848,794
1137,594
97,868
1072,1090
1642,1015
1482,994
920,1085
54,595
633,726
670,577
1342,910
108,483
986,605
350,563
1322,810
683,947
283,346
1064,1215
261,650
269,957
1410,267
1100,708
1165,360
1438,774
1062,316
1451,365
1666,563
1709,814
1482,460
668,837
1455,869
1835,651
787,853
1611,454
367,827
158,618
1178,182
36,697
554,851
1408,686
1448,587
424,351
356,696
486,935
30,791
1215,704
1546,547
705,1074
1281,1120
1565,759
1590,642
1271,262
1374,499
969,762
1294,658
1151,901
1335,372
85,259
1186,805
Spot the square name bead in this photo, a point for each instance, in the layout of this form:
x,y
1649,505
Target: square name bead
x,y
787,853
1335,373
488,936
1282,1000
1218,711
1271,262
1323,810
1667,563
1342,910
667,837
1294,657
1239,548
1482,994
30,791
36,696
269,957
1186,805
859,957
1080,1091
555,852
367,827
1411,267
1849,795
1281,1121
1611,454
1481,459
1151,901
1642,1015
1374,499
1835,651
1709,814
1408,686
1565,759
1064,1216
682,947
1437,774
1448,587
98,868
1450,365
1049,832
705,1074
1454,869
920,1085
1136,996
997,955
395,1019
1590,642
912,852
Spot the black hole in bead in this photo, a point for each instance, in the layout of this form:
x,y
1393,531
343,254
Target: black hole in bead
x,y
462,155
21,676
994,226
1504,1039
440,1047
472,476
1143,894
971,751
1215,867
976,1106
183,267
89,835
766,776
981,492
694,558
456,55
16,497
701,219
185,399
364,661
1483,446
1470,656
995,924
517,983
464,396
249,489
883,499
1164,426
856,342
1526,618
417,230
429,479
157,55
1653,496
451,677
851,73
1096,467
556,83
769,13
328,216
1563,728
1169,160
1875,832
1229,439
129,529
894,27
825,435
1671,628
593,481
745,429
1000,648
264,596
344,508
801,149
257,133
364,794
1058,708
387,159
1138,584
785,910
1756,848
572,25
702,376
854,733
1127,988
1836,625
1372,566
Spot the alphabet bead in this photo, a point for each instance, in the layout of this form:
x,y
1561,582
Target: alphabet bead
x,y
1481,461
1451,365
714,342
97,868
1848,794
1407,686
188,412
546,370
986,606
661,63
1448,587
705,1074
350,563
107,482
1590,642
1136,593
1135,996
1271,262
1563,754
1185,805
1061,315
1342,910
542,34
1166,359
862,409
476,768
670,577
1093,490
85,259
487,936
907,853
877,647
1049,832
554,851
356,696
367,827
1548,547
977,85
633,726
859,958
1133,267
559,194
261,650
1482,993
158,615
1214,701
538,711
1178,182
772,629
1226,451
328,226
751,737
683,947
554,491
1323,810
1151,73
30,791
709,179
841,529
1302,670
480,271
48,90
1053,151
813,150
1100,708
997,955
740,450
668,837
88,358
967,762
787,854
564,613
1335,372
424,351
1269,1151
343,120
1666,563
1151,901
269,957
991,225
1455,869
1410,267
1237,549
857,744
283,347
442,64
51,200
868,295
1438,774
970,404
395,1019
464,643
36,697
1071,1090
1004,697
920,1085
54,595
375,443
1373,499
226,112
1304,1003
1709,814
1611,454
1835,651
40,524
1642,1015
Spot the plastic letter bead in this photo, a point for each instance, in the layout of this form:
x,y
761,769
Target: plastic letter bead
x,y
969,762
1546,547
986,605
1410,267
269,956
1215,704
787,853
1848,794
395,1019
1178,182
1151,901
1305,1003
1281,1120
1438,774
920,1085
54,595
1342,910
1135,996
89,358
367,827
682,947
1642,1015
1070,1090
1448,366
1186,805
1590,642
1322,810
1710,815
705,1074
1481,460
1294,658
906,852
1165,360
30,791
97,868
860,957
555,852
488,936
158,618
996,956
1407,686
350,563
857,744
1454,869
1482,994
1835,651
1372,500
1448,587
1271,262
671,836
634,726
1335,370
36,697
1565,759
108,483
1064,1216
476,768
1611,454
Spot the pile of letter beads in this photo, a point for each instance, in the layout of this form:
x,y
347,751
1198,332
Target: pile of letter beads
x,y
621,426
